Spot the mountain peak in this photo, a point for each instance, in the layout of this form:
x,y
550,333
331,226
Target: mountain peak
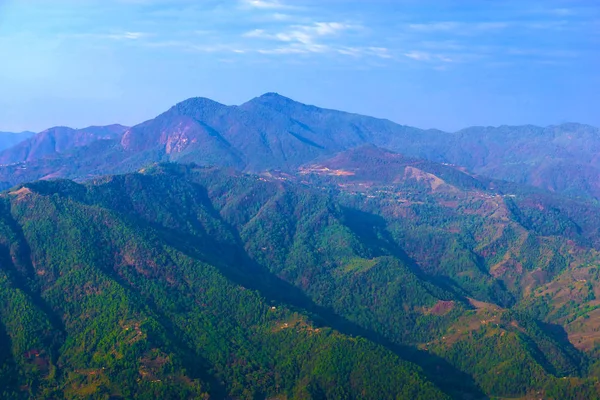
x,y
198,101
56,130
274,96
196,107
273,100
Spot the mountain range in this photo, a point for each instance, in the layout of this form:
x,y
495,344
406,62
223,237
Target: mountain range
x,y
276,250
272,132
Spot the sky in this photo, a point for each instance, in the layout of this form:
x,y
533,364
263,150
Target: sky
x,y
444,64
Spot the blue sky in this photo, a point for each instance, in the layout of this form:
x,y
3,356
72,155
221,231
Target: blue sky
x,y
430,63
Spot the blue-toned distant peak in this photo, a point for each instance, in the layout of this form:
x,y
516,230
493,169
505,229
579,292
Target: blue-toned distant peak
x,y
24,133
9,139
197,107
56,140
575,126
103,132
273,98
276,102
114,129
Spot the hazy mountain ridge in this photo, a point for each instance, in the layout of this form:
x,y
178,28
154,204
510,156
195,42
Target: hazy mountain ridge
x,y
561,158
269,132
54,141
9,139
272,132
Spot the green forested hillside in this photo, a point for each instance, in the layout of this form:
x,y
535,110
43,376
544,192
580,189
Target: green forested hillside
x,y
188,282
98,303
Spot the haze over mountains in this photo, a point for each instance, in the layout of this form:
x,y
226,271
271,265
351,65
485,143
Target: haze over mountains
x,y
9,139
54,141
280,250
272,132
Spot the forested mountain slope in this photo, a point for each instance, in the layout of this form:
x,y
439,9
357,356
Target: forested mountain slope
x,y
101,300
187,281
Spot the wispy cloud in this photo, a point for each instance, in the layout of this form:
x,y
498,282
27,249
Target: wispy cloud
x,y
427,56
289,27
559,12
542,53
116,36
458,27
127,35
265,4
302,34
315,38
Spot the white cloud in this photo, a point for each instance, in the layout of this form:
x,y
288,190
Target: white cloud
x,y
120,36
298,49
281,17
418,55
428,57
279,28
435,27
305,34
472,28
315,38
351,51
127,36
458,27
380,52
265,4
256,33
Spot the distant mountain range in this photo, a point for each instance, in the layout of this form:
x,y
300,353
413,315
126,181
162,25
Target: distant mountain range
x,y
269,132
273,132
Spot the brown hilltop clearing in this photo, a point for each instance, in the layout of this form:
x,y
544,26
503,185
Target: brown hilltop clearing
x,y
421,176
